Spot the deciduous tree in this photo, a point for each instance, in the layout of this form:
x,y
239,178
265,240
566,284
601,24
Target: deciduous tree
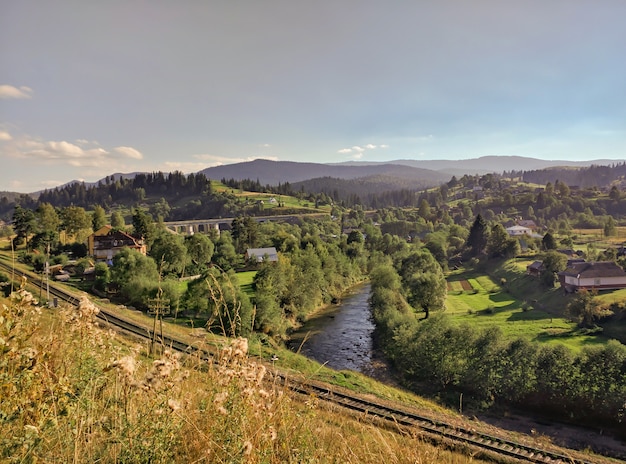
x,y
98,218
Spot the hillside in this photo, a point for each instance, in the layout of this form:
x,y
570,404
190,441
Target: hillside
x,y
487,164
103,398
279,172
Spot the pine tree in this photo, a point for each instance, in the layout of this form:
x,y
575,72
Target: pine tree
x,y
478,235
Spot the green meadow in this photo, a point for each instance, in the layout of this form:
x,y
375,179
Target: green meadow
x,y
481,302
245,279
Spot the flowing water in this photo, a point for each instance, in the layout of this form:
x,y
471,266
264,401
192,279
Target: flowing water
x,y
341,335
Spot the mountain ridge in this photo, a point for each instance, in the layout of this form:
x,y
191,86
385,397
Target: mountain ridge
x,y
270,172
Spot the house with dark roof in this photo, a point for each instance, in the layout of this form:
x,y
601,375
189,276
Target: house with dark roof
x,y
106,242
602,275
535,268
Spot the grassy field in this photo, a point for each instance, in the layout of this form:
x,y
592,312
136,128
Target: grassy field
x,y
266,198
245,280
482,302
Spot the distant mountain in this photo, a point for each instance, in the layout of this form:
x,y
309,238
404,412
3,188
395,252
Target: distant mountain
x,y
487,164
275,172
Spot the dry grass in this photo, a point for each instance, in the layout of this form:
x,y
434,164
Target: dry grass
x,y
72,392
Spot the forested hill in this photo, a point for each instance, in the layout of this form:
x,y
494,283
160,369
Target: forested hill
x,y
280,172
592,176
486,164
364,190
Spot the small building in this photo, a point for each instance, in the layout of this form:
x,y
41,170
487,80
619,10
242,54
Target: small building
x,y
602,275
106,242
516,231
535,268
260,254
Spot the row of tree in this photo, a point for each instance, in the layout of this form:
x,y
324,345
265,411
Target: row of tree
x,y
447,359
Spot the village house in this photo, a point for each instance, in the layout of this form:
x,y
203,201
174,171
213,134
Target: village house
x,y
602,275
260,254
106,242
517,231
535,269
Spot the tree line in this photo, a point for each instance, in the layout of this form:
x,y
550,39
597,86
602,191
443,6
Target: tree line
x,y
433,354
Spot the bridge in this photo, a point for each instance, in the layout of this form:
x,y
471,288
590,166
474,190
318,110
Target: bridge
x,y
193,226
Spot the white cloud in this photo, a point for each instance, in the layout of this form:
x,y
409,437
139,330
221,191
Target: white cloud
x,y
359,150
9,91
129,152
5,136
80,154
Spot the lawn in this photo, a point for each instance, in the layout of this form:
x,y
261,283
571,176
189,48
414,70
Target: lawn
x,y
270,200
489,304
245,280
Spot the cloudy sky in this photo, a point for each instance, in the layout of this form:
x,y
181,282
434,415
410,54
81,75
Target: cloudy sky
x,y
92,88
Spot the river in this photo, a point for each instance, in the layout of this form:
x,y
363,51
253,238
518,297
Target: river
x,y
340,336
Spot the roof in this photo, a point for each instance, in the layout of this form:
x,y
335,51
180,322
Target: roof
x,y
104,230
260,253
595,269
538,265
520,228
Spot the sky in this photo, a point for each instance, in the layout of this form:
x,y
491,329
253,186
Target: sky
x,y
92,88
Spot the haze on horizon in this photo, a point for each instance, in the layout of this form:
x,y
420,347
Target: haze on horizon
x,y
88,89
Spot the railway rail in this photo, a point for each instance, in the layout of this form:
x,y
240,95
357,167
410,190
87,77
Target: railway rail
x,y
436,429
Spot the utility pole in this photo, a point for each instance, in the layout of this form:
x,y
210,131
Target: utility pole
x,y
158,306
48,274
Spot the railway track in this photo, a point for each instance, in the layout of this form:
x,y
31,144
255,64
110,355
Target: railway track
x,y
435,429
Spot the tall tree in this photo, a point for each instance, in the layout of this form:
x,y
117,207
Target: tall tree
x,y
610,227
586,310
200,251
160,210
548,242
74,220
169,252
98,218
47,218
424,282
478,235
117,220
225,255
24,222
143,226
424,209
553,262
497,241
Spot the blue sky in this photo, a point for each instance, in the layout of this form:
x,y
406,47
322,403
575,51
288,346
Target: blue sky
x,y
92,88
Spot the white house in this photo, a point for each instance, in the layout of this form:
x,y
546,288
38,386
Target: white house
x,y
516,231
603,275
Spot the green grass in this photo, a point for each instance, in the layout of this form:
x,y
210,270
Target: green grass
x,y
288,202
245,280
488,304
